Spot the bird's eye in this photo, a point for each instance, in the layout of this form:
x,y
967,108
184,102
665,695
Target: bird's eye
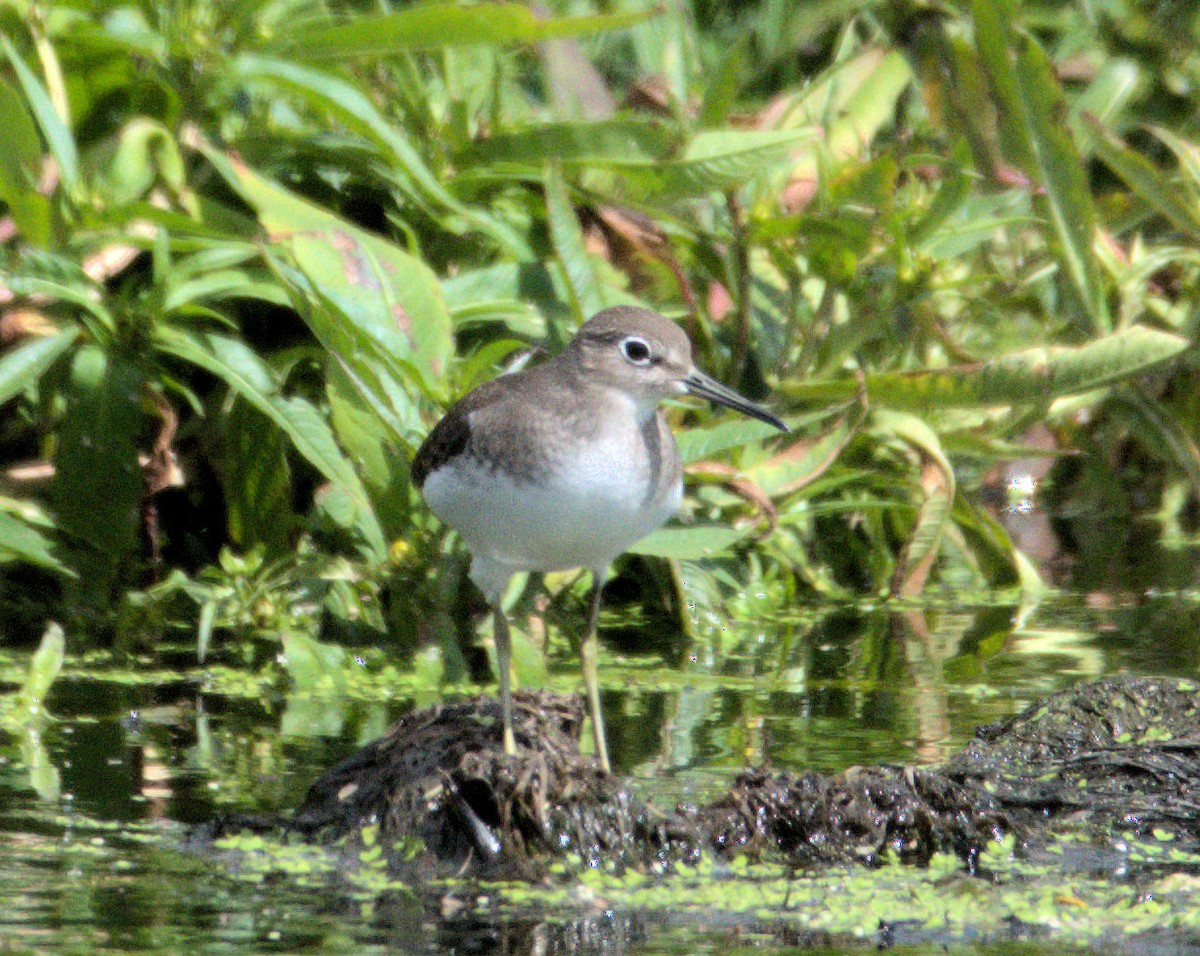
x,y
636,350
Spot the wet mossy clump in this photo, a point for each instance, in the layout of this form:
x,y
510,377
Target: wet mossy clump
x,y
1118,754
443,793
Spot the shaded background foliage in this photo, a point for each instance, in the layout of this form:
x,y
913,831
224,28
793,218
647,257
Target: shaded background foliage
x,y
251,250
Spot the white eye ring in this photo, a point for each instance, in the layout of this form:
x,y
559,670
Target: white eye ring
x,y
637,350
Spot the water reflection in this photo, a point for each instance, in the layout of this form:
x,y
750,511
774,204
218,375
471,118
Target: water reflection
x,y
92,802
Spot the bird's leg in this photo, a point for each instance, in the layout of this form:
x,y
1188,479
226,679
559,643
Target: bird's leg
x,y
588,660
504,665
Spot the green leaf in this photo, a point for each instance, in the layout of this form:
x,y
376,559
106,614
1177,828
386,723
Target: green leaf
x,y
802,462
720,92
234,363
391,298
58,137
20,169
690,542
313,666
937,485
145,153
698,443
585,291
433,25
712,160
24,365
44,669
97,481
1145,179
383,468
21,541
351,107
256,481
1033,125
1020,378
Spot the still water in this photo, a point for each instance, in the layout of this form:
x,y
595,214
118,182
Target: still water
x,y
95,804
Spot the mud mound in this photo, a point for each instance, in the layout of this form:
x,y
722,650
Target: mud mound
x,y
1115,753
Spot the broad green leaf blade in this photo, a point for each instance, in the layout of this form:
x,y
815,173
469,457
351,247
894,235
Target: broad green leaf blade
x,y
313,666
391,297
315,441
378,459
433,25
583,286
20,168
97,481
713,160
25,364
802,462
1033,127
58,137
21,541
690,542
696,444
868,89
1020,378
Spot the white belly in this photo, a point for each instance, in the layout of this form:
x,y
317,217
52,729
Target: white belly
x,y
592,511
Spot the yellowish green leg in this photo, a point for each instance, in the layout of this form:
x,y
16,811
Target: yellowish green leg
x,y
588,659
504,665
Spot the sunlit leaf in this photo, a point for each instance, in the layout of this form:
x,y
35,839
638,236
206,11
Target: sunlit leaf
x,y
1033,114
378,459
352,107
713,160
390,296
690,541
1020,378
434,25
584,288
24,365
20,169
313,666
44,668
58,137
22,541
859,105
799,463
700,442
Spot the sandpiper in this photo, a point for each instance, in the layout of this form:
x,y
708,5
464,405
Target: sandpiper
x,y
565,465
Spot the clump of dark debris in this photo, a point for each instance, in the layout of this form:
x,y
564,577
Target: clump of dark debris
x,y
1121,752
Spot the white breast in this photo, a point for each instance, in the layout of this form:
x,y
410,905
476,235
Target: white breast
x,y
595,506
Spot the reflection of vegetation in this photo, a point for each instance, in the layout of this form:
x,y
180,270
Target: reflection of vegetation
x,y
250,254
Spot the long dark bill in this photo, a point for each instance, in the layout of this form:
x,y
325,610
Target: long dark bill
x,y
700,385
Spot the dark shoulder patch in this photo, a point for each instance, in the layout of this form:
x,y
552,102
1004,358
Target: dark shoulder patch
x,y
448,439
